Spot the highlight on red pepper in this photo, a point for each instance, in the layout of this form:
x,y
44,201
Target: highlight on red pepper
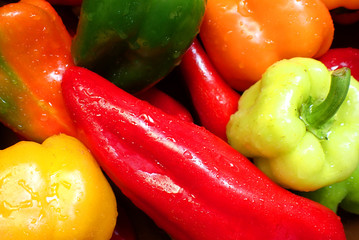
x,y
135,44
214,100
298,122
189,181
35,51
166,103
244,37
336,58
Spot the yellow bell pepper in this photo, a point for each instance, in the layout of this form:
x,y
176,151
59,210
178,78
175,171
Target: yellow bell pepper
x,y
55,190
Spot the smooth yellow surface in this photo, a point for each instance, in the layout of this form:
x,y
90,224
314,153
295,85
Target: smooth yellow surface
x,y
54,190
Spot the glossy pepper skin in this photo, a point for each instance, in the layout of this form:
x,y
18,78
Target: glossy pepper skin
x,y
243,37
166,103
35,50
189,181
214,100
342,194
336,58
54,190
135,44
272,125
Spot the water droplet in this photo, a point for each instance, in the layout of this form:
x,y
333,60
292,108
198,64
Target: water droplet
x,y
243,8
188,154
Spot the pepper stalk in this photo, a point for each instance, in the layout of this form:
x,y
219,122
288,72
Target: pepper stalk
x,y
317,116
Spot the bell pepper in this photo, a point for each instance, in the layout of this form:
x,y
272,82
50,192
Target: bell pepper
x,y
299,124
348,4
135,44
35,50
243,38
336,58
189,181
342,194
214,100
166,103
54,190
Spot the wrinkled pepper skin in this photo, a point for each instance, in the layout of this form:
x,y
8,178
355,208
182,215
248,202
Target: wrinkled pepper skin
x,y
214,100
135,44
35,50
269,126
344,194
189,181
54,190
336,58
244,37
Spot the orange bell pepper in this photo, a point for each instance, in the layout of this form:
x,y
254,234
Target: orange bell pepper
x,y
244,37
349,4
34,53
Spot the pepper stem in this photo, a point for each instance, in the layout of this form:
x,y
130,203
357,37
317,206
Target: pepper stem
x,y
315,116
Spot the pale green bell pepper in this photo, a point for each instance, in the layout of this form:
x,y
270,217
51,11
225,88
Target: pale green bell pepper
x,y
300,124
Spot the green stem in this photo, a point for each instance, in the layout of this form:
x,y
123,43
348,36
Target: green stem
x,y
318,115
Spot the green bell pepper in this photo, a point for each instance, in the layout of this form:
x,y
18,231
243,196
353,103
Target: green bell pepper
x,y
299,124
135,43
343,194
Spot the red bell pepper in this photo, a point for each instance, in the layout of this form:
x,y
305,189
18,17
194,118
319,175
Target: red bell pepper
x,y
35,51
189,181
214,100
336,58
166,103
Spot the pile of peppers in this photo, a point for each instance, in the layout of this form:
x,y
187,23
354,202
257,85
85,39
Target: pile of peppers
x,y
181,119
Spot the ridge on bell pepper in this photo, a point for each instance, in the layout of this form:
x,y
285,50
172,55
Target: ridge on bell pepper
x,y
35,50
189,181
214,100
299,124
135,44
54,190
343,194
243,38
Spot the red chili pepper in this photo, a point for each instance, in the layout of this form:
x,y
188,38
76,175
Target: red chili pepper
x,y
336,58
214,100
189,181
166,103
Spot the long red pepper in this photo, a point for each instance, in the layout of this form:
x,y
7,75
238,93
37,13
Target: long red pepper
x,y
166,103
214,100
189,181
